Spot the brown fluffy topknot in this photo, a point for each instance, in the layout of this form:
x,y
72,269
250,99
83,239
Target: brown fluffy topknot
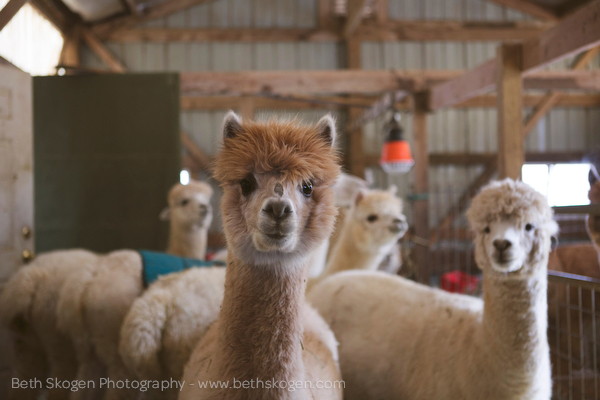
x,y
288,147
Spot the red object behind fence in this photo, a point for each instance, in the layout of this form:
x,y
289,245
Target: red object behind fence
x,y
459,282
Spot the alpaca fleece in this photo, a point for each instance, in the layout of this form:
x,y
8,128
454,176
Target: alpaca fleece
x,y
403,340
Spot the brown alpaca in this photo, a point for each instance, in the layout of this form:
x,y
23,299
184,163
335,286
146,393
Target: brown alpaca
x,y
277,207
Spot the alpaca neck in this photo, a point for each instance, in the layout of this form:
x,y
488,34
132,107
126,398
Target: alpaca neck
x,y
351,255
261,328
514,328
188,241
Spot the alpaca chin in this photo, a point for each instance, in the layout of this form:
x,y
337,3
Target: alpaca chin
x,y
265,244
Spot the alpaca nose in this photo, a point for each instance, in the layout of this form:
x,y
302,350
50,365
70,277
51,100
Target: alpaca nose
x,y
278,209
501,245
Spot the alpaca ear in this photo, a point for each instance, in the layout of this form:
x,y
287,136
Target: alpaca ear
x,y
165,214
326,128
359,196
232,125
393,189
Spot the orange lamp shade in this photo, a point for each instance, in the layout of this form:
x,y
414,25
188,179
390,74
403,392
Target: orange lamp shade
x,y
396,157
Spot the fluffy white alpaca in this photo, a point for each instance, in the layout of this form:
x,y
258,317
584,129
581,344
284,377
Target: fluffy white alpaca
x,y
93,303
371,229
403,340
164,325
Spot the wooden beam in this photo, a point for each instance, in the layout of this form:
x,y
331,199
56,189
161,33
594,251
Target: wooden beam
x,y
9,11
70,53
101,51
578,100
162,9
574,34
132,7
388,31
355,13
473,159
381,11
476,82
421,206
356,154
366,82
530,8
197,155
510,108
552,98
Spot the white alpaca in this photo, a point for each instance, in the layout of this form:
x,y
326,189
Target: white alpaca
x,y
371,229
164,325
93,303
399,339
277,207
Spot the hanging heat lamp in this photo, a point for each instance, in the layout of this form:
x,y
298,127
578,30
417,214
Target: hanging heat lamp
x,y
396,157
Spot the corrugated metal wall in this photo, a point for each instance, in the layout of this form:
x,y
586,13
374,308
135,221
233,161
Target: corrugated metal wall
x,y
454,130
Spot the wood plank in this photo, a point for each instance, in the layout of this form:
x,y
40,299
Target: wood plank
x,y
9,11
381,11
527,7
101,51
372,82
159,10
356,154
464,31
510,108
471,84
421,206
388,31
574,34
354,15
70,53
577,100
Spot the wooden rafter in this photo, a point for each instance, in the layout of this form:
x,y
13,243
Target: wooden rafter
x,y
308,82
356,11
385,31
530,8
9,11
579,100
101,51
574,34
196,154
552,98
163,9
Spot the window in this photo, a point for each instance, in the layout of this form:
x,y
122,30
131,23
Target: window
x,y
30,42
562,184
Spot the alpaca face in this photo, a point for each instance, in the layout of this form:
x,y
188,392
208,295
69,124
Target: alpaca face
x,y
508,244
378,219
189,205
277,204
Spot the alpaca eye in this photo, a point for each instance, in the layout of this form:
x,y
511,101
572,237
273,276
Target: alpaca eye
x,y
372,218
528,227
307,189
184,202
486,230
246,187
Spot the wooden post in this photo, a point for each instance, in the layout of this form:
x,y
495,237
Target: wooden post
x,y
421,206
355,145
70,54
511,154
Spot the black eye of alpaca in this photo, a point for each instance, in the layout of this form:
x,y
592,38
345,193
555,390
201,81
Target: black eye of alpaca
x,y
372,218
307,189
528,227
486,230
246,186
184,202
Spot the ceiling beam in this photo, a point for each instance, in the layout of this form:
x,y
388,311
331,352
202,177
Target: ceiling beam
x,y
388,31
215,102
304,82
530,8
9,11
101,51
574,34
102,29
354,15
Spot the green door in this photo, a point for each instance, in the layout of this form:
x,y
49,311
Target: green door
x,y
106,152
